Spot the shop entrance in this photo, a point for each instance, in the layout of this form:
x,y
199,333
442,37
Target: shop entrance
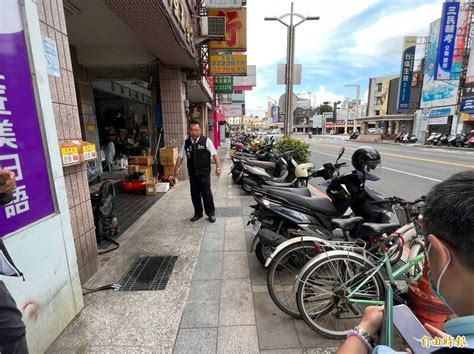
x,y
125,129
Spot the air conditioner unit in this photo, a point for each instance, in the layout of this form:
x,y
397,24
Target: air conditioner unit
x,y
213,26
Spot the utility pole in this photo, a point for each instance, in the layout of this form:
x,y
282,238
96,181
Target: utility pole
x,y
290,60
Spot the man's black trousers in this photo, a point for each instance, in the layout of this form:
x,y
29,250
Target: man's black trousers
x,y
201,188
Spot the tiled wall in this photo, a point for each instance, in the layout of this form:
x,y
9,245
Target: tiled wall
x,y
66,115
173,95
85,99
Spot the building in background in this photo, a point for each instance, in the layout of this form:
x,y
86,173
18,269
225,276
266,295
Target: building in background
x,y
375,100
102,71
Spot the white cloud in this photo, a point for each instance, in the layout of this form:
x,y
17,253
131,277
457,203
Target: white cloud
x,y
384,37
323,95
266,41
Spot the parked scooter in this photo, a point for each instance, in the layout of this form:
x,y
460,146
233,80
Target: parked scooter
x,y
292,174
431,138
452,139
470,140
461,139
280,211
409,139
355,134
443,140
399,137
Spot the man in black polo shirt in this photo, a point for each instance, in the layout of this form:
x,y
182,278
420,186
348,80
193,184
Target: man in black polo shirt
x,y
197,151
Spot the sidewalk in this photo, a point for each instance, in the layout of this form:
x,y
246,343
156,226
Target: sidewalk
x,y
216,299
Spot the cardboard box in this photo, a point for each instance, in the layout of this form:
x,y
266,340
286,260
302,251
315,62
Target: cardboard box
x,y
141,160
151,187
168,156
133,168
147,170
162,187
168,170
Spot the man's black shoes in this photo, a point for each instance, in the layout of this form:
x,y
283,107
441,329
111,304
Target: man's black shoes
x,y
212,218
196,217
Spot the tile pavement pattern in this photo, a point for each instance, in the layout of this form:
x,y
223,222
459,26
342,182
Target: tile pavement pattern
x,y
229,309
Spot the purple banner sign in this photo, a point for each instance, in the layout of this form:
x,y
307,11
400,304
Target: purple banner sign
x,y
21,143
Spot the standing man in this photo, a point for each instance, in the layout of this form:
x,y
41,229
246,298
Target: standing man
x,y
197,151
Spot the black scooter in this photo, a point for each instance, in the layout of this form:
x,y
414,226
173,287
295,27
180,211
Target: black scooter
x,y
280,212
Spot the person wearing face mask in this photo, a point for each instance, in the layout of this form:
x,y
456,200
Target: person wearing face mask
x,y
448,226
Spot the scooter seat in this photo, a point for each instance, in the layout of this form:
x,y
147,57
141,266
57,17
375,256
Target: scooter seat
x,y
346,224
377,229
305,192
267,165
323,205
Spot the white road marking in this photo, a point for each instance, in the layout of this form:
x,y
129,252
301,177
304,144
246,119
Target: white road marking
x,y
385,168
412,174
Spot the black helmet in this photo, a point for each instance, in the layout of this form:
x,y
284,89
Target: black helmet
x,y
365,158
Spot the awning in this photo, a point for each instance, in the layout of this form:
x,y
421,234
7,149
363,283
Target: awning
x,y
157,26
199,91
388,118
219,117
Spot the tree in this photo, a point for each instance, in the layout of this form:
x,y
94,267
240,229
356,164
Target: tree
x,y
324,108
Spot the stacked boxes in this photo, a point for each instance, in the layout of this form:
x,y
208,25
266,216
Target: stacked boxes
x,y
168,156
143,164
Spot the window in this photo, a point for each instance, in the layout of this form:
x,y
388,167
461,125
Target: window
x,y
377,113
379,87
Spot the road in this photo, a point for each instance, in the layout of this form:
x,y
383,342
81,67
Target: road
x,y
407,171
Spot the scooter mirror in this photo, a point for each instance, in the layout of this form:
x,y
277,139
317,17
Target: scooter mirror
x,y
341,152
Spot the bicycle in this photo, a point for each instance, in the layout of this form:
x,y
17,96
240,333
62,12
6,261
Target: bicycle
x,y
334,288
290,257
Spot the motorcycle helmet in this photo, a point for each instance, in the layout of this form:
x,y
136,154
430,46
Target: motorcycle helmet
x,y
366,159
302,170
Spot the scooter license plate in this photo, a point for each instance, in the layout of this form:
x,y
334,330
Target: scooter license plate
x,y
256,227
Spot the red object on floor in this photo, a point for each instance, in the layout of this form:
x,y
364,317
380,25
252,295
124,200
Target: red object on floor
x,y
134,186
427,306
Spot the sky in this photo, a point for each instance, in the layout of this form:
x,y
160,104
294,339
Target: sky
x,y
353,41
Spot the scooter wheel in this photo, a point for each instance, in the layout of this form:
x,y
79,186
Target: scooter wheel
x,y
246,187
263,251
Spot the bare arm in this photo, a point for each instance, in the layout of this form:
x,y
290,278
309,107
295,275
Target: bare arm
x,y
179,161
218,164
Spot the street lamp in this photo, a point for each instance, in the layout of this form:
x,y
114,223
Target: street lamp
x,y
357,105
290,59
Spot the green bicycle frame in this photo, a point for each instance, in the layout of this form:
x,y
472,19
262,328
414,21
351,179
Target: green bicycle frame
x,y
388,311
391,275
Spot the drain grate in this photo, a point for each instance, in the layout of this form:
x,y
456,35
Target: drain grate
x,y
148,273
228,212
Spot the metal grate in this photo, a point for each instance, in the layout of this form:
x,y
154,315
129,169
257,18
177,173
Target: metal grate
x,y
148,273
228,212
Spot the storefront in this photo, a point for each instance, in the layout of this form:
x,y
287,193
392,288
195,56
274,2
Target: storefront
x,y
38,226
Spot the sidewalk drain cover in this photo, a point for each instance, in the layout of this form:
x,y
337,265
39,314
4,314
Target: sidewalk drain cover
x,y
228,212
148,273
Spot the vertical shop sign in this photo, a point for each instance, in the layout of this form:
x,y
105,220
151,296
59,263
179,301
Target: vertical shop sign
x,y
21,143
406,72
447,40
224,84
236,30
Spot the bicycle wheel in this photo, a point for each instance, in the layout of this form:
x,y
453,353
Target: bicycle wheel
x,y
323,289
282,273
